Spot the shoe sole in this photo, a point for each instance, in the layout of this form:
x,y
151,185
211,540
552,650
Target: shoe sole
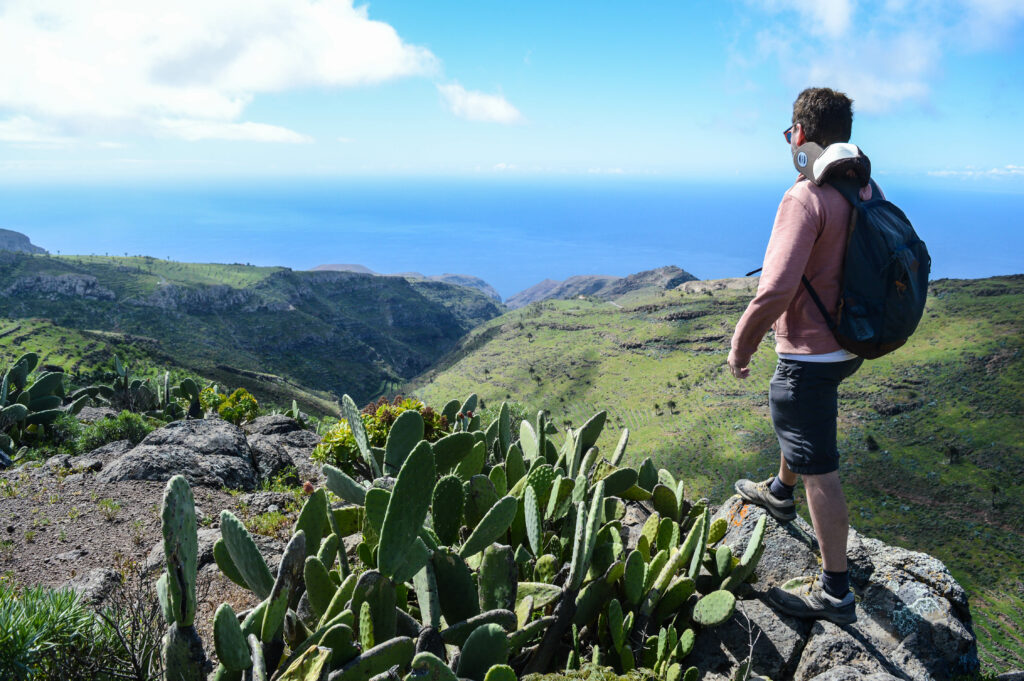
x,y
833,617
781,516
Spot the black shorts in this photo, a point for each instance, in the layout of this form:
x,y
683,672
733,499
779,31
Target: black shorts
x,y
803,397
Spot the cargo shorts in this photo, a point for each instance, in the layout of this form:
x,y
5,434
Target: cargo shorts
x,y
804,402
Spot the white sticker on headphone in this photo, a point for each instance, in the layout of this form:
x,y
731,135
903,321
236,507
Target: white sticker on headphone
x,y
801,159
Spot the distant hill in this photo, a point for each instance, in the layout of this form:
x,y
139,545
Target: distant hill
x,y
362,269
17,242
601,286
931,452
336,332
466,280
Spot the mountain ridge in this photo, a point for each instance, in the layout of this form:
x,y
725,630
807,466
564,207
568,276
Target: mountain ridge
x,y
339,332
18,243
466,280
603,286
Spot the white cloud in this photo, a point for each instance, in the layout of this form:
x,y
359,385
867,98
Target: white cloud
x,y
24,130
1005,171
883,53
194,131
478,106
831,18
188,68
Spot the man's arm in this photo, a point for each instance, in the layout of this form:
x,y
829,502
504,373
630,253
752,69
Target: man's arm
x,y
789,249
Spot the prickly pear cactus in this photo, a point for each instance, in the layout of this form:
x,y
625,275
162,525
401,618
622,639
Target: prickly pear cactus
x,y
489,554
715,608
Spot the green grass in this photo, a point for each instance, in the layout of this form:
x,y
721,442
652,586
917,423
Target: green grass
x,y
283,335
947,477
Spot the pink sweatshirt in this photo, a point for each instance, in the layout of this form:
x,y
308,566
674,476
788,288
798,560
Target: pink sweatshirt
x,y
809,237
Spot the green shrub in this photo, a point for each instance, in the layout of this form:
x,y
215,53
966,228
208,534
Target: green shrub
x,y
126,426
236,408
239,407
60,437
50,634
338,445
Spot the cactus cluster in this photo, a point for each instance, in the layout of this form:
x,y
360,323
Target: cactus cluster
x,y
482,556
30,401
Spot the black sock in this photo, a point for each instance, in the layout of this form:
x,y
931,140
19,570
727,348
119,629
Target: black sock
x,y
781,490
836,584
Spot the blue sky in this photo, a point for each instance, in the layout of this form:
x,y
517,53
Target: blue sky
x,y
237,88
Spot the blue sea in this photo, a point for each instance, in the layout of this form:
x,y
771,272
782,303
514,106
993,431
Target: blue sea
x,y
512,233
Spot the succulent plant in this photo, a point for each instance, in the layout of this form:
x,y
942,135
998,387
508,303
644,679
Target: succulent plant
x,y
504,553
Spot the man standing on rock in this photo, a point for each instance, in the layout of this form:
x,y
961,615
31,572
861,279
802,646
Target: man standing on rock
x,y
808,240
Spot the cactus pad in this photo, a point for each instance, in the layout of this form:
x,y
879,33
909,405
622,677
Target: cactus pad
x,y
715,608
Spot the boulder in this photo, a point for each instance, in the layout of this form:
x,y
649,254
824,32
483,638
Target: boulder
x,y
265,502
208,452
269,548
278,442
913,619
96,585
94,414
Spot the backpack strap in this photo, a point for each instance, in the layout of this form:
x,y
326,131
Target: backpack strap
x,y
850,189
817,301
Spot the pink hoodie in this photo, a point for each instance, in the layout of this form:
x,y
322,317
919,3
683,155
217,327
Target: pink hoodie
x,y
809,237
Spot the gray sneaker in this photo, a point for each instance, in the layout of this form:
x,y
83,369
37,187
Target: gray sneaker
x,y
803,597
758,493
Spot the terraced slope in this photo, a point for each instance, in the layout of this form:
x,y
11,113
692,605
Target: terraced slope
x,y
930,437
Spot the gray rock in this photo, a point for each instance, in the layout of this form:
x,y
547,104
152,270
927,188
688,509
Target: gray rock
x,y
106,453
93,414
85,464
1016,675
792,547
829,647
778,642
208,452
845,673
278,442
264,502
96,585
74,554
913,619
56,464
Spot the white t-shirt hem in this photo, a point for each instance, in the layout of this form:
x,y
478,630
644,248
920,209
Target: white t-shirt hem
x,y
836,356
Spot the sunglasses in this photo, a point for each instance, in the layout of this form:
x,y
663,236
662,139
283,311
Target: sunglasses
x,y
788,133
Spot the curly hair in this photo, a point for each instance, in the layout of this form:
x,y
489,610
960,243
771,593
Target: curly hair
x,y
826,115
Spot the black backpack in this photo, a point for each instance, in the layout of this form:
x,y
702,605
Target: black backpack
x,y
885,273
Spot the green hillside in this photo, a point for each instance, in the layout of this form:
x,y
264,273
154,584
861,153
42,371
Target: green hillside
x,y
932,454
267,328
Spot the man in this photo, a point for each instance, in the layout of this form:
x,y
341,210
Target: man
x,y
808,239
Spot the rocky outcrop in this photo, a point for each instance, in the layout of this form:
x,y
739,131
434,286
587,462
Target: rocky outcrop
x,y
17,242
709,285
208,452
201,299
61,285
601,286
913,619
277,443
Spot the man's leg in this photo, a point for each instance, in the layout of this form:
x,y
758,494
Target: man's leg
x,y
785,475
830,518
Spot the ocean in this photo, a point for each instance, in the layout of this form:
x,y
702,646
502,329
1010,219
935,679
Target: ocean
x,y
513,233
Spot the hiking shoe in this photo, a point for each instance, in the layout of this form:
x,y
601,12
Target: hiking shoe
x,y
759,493
805,598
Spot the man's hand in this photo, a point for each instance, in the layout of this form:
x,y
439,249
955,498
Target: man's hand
x,y
738,365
